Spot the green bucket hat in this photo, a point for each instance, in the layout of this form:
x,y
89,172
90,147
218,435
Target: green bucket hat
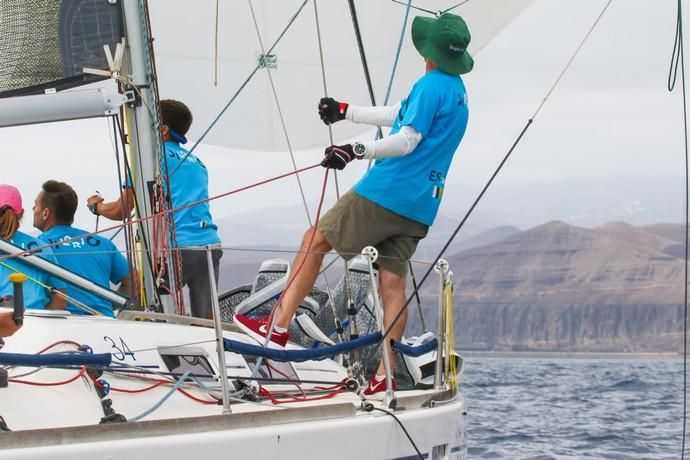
x,y
444,41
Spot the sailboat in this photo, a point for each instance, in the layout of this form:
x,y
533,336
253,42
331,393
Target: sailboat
x,y
154,381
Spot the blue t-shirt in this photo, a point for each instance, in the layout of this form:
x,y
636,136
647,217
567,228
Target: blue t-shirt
x,y
412,185
35,295
93,257
194,225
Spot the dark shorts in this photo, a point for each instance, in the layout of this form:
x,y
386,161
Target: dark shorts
x,y
355,222
196,276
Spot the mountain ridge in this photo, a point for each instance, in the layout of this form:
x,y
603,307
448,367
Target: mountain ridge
x,y
556,286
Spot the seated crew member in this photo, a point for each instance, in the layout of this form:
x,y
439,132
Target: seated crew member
x,y
7,325
41,290
194,227
395,203
93,257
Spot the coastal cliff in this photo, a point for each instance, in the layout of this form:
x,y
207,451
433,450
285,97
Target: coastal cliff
x,y
560,287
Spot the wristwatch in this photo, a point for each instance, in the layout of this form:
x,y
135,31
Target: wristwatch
x,y
359,149
94,209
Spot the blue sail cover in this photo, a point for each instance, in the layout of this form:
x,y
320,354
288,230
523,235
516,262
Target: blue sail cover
x,y
45,44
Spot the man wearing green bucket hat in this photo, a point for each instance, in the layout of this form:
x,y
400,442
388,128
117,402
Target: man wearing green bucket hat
x,y
393,205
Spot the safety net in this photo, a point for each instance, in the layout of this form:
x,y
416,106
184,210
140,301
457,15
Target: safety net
x,y
45,44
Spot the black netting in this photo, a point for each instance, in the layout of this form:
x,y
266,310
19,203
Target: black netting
x,y
229,300
47,43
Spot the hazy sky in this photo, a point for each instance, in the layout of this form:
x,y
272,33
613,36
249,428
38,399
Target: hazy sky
x,y
610,133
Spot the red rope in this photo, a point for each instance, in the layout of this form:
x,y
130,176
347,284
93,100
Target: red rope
x,y
153,216
157,383
61,342
293,399
337,385
311,241
138,390
82,371
194,398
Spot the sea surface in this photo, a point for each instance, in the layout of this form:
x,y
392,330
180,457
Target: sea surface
x,y
572,408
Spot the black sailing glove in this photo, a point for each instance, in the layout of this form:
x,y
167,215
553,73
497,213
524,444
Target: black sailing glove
x,y
331,110
338,156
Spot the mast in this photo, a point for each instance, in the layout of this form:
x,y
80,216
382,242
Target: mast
x,y
143,127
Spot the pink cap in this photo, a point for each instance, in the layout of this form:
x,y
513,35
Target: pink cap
x,y
9,196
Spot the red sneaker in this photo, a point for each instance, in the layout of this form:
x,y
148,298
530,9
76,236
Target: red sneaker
x,y
257,328
377,386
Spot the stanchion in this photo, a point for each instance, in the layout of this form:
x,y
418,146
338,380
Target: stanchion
x,y
441,268
371,255
222,369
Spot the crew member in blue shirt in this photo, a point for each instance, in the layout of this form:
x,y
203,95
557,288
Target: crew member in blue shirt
x,y
91,256
393,205
41,290
194,227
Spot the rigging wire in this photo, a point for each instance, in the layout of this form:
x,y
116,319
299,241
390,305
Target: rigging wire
x,y
242,86
498,169
435,13
346,272
454,6
293,277
362,55
129,240
285,131
215,45
677,59
129,221
160,194
325,89
379,133
145,218
397,58
323,78
280,111
294,274
414,7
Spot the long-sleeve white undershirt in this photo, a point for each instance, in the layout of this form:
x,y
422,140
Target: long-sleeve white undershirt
x,y
377,116
399,144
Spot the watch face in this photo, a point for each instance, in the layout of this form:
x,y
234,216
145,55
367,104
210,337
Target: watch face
x,y
359,149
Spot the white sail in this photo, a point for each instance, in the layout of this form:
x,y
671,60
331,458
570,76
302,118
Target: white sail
x,y
185,44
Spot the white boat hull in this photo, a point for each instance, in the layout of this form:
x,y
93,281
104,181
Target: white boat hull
x,y
335,432
62,421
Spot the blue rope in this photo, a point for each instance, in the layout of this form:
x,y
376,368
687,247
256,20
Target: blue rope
x,y
397,53
153,408
56,359
419,350
379,132
300,355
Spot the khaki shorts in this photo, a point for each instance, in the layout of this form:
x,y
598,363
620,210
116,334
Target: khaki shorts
x,y
355,222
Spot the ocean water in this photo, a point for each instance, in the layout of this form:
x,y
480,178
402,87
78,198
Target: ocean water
x,y
565,408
